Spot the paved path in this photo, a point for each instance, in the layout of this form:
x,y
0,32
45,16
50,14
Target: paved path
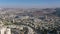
x,y
18,26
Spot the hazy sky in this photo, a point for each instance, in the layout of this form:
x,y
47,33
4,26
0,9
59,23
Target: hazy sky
x,y
30,3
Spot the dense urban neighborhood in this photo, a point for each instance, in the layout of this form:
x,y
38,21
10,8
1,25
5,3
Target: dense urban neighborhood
x,y
29,21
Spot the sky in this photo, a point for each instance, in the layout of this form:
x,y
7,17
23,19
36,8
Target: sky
x,y
30,3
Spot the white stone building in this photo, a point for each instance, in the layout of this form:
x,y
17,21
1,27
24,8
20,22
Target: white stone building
x,y
4,30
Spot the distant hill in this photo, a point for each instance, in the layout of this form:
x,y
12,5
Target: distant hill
x,y
57,13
